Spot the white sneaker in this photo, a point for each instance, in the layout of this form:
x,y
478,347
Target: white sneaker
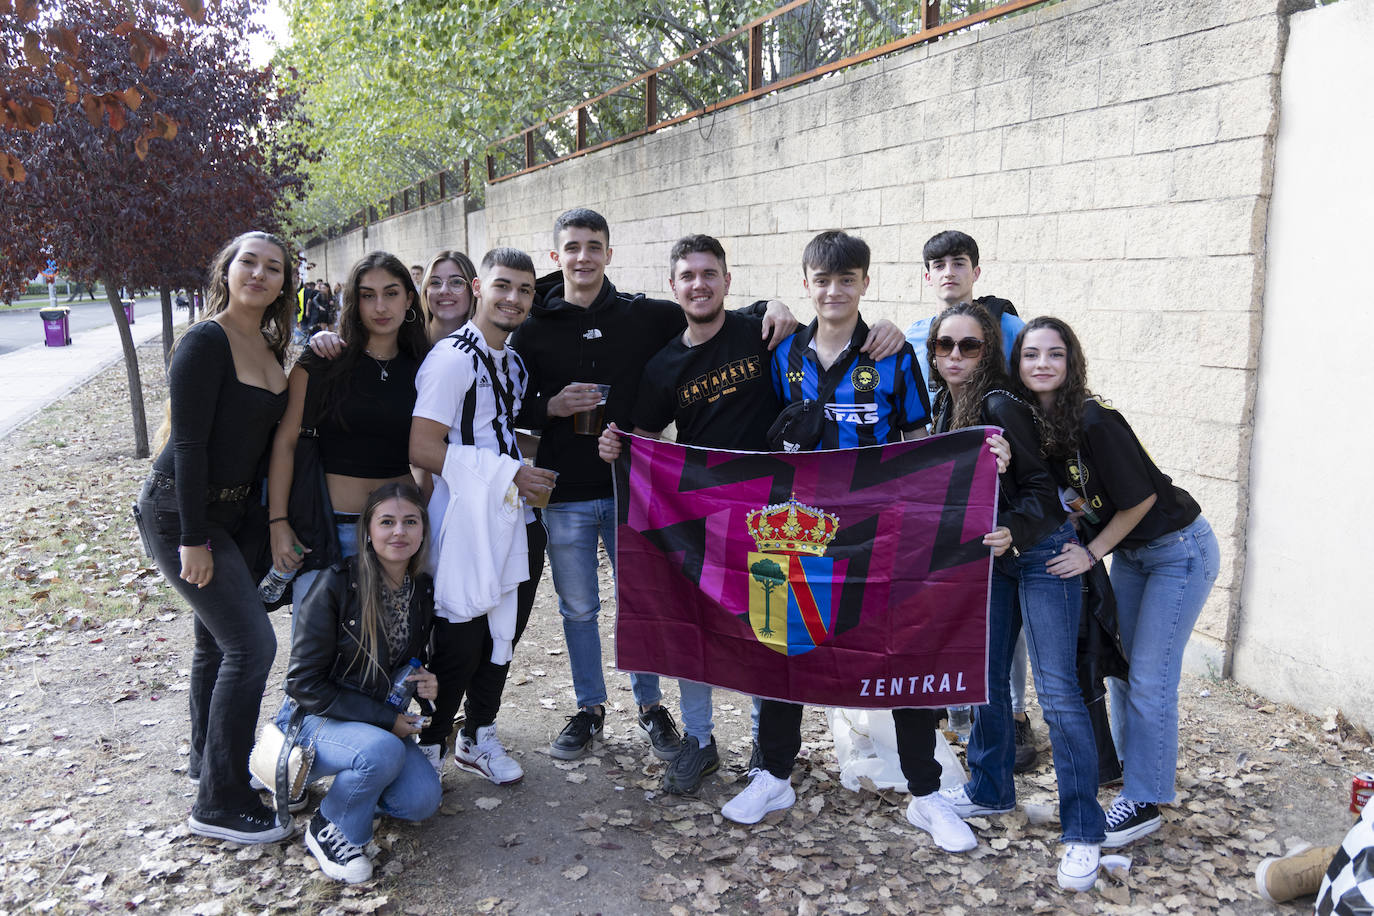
x,y
764,793
957,797
934,814
434,753
486,756
1078,867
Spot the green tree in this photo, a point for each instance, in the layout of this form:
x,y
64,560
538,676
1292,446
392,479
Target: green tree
x,y
768,574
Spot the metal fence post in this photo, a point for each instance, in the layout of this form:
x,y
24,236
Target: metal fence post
x,y
529,147
756,57
930,14
582,119
651,100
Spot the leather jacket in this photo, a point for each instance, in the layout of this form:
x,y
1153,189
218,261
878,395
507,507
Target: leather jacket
x,y
1028,502
328,675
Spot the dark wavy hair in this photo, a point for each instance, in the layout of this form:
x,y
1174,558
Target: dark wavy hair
x,y
987,375
411,340
277,319
1061,425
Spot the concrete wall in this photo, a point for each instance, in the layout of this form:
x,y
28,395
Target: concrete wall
x,y
1305,632
1112,157
413,237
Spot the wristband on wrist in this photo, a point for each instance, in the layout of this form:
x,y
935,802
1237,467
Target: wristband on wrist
x,y
1091,556
279,518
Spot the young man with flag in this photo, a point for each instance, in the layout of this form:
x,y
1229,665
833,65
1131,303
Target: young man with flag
x,y
712,381
870,402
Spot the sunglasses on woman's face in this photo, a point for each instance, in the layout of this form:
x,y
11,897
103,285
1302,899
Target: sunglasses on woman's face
x,y
967,346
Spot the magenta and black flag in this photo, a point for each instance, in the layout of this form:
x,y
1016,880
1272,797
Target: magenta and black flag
x,y
852,578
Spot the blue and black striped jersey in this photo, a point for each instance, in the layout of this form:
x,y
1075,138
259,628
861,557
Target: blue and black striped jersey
x,y
873,403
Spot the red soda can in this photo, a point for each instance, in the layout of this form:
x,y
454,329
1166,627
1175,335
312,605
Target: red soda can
x,y
1361,788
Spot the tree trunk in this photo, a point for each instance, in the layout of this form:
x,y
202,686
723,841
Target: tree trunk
x,y
126,340
168,321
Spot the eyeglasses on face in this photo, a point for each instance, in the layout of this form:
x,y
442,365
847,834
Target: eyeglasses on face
x,y
967,346
453,283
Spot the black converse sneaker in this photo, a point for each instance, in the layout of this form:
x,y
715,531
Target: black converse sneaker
x,y
249,827
1128,821
338,858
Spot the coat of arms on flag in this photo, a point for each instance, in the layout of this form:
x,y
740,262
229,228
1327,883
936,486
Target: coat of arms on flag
x,y
852,578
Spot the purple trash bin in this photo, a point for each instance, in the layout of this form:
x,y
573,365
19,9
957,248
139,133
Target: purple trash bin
x,y
56,330
129,310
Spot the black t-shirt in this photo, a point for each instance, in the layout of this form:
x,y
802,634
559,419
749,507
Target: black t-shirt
x,y
719,392
1114,471
364,426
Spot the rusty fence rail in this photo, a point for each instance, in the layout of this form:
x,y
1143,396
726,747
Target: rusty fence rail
x,y
800,41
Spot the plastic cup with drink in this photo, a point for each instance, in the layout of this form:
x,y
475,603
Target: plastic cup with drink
x,y
590,422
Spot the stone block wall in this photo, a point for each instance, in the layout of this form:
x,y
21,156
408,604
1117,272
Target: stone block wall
x,y
1112,157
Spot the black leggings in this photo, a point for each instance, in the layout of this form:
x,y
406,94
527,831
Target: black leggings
x,y
460,657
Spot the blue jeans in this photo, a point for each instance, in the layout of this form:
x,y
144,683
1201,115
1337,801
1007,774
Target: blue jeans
x,y
374,771
573,531
1050,608
1018,674
1160,590
696,710
348,547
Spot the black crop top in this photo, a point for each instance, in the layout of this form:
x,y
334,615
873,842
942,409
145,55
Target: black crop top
x,y
221,427
369,434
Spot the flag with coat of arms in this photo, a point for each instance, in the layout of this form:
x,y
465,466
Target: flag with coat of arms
x,y
853,578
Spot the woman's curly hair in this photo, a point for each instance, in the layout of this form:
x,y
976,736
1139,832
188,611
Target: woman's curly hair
x,y
1061,425
987,375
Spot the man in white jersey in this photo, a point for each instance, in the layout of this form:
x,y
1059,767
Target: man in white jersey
x,y
488,548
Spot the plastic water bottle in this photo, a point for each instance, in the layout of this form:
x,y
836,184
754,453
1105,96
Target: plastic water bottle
x,y
401,688
274,583
960,721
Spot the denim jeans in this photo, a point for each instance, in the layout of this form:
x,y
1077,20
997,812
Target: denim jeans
x,y
697,721
374,771
573,531
1049,607
1160,590
234,647
348,547
1018,674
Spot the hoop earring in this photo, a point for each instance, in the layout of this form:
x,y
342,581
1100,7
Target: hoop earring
x,y
412,316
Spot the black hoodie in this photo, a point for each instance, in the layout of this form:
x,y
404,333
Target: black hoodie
x,y
608,342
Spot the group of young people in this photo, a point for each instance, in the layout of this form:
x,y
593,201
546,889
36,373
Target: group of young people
x,y
419,404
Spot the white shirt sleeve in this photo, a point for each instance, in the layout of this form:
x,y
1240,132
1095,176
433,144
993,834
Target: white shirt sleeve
x,y
441,384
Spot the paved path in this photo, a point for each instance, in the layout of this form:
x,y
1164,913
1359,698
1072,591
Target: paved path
x,y
34,376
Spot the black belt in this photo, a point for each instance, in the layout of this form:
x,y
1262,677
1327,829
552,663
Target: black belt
x,y
221,495
346,518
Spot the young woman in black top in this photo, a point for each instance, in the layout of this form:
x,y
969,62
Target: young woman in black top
x,y
965,347
365,399
228,391
364,621
1166,559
